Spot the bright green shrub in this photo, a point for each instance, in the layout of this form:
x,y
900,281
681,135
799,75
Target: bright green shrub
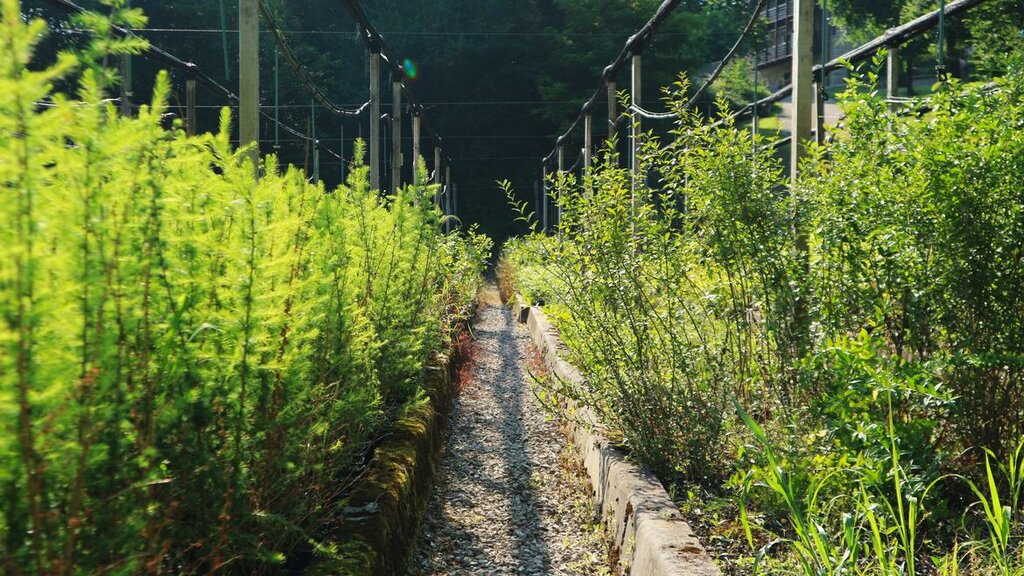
x,y
531,277
193,362
859,374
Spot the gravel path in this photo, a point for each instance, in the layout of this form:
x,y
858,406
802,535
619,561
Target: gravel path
x,y
508,499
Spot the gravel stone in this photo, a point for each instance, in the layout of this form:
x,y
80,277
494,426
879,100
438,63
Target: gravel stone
x,y
509,498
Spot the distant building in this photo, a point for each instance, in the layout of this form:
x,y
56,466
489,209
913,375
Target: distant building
x,y
775,59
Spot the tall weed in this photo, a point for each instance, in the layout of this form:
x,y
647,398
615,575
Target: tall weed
x,y
674,297
194,364
871,314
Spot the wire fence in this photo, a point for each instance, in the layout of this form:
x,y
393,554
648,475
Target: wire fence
x,y
634,113
319,99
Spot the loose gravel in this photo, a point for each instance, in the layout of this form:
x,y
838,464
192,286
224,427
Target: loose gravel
x,y
509,498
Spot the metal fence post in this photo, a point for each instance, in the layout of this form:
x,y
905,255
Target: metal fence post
x,y
416,146
892,75
559,184
316,143
536,198
588,141
613,115
544,197
634,151
821,81
447,196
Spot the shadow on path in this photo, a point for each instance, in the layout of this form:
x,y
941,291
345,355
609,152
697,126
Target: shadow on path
x,y
485,516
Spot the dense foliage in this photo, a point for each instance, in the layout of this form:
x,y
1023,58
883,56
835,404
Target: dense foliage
x,y
193,362
865,324
988,31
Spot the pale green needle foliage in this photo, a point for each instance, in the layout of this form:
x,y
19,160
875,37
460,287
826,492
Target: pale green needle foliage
x,y
194,364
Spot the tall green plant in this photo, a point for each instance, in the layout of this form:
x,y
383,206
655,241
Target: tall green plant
x,y
681,287
673,297
918,222
194,363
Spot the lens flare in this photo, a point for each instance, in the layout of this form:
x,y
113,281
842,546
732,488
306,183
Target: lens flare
x,y
410,69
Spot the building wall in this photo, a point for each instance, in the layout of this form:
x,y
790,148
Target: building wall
x,y
775,59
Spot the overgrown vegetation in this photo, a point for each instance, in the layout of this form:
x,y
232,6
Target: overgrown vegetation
x,y
193,364
845,355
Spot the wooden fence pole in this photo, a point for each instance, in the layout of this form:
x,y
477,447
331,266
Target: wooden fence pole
x,y
375,117
396,136
249,77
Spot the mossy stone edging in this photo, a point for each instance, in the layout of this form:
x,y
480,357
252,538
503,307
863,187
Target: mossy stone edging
x,y
382,516
649,537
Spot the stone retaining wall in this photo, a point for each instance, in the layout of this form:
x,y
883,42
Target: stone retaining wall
x,y
382,516
649,536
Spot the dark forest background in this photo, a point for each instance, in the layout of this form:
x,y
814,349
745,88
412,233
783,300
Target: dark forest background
x,y
500,79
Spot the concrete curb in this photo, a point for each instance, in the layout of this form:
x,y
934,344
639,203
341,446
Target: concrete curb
x,y
649,535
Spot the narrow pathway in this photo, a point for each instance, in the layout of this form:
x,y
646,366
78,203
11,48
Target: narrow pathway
x,y
507,500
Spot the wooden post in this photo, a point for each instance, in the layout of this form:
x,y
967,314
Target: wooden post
x,y
803,89
416,146
892,75
558,188
190,106
588,141
375,117
544,197
455,200
613,115
249,77
447,196
803,102
396,136
342,153
634,150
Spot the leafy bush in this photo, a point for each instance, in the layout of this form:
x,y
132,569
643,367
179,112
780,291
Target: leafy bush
x,y
870,315
520,271
858,374
193,363
917,227
674,298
